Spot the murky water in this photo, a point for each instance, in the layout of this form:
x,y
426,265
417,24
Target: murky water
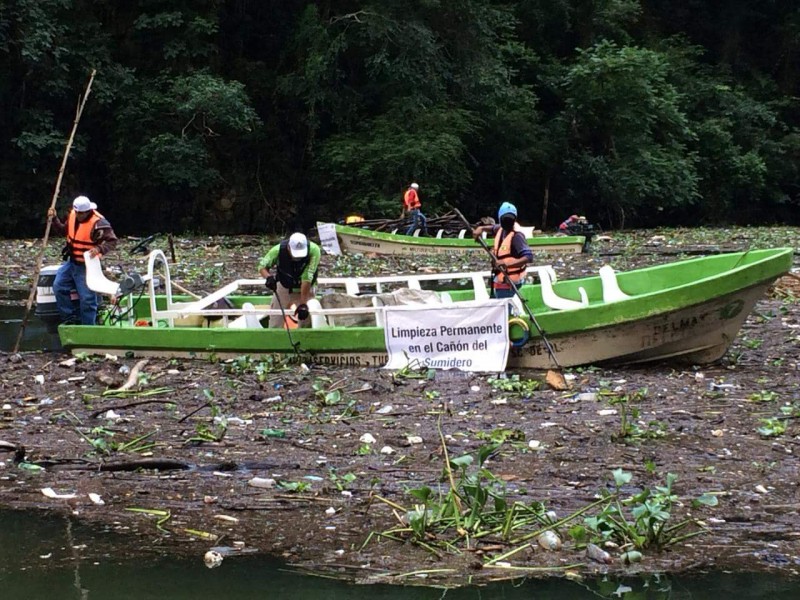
x,y
36,335
54,557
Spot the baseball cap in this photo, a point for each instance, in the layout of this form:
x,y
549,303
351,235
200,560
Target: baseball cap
x,y
83,204
298,245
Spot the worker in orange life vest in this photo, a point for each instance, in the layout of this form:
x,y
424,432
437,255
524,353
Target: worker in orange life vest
x,y
413,207
511,251
86,229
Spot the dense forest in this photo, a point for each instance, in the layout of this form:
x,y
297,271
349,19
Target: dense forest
x,y
242,116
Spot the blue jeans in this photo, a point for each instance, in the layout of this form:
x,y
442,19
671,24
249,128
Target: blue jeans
x,y
72,276
418,221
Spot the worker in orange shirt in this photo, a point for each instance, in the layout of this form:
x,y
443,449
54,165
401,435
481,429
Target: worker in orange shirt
x,y
412,206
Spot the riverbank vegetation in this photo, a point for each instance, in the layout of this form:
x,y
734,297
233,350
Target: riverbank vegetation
x,y
245,117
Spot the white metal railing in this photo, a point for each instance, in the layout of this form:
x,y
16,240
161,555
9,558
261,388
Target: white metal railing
x,y
249,314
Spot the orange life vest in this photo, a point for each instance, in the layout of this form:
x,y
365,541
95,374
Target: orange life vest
x,y
411,199
502,251
79,235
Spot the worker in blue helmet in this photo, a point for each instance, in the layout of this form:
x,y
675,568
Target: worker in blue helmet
x,y
511,251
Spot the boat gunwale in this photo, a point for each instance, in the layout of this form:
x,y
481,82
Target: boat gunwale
x,y
466,242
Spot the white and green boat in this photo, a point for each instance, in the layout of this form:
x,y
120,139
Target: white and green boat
x,y
356,239
689,310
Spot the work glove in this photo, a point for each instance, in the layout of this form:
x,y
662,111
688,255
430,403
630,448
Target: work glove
x,y
302,312
271,283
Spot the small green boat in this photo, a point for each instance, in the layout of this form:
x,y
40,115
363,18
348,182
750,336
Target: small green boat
x,y
355,239
689,310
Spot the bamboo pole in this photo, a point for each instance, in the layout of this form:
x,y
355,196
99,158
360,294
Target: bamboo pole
x,y
61,170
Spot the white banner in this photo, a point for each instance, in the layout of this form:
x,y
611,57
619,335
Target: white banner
x,y
468,336
328,239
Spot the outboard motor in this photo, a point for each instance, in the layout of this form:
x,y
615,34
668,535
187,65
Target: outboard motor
x,y
46,308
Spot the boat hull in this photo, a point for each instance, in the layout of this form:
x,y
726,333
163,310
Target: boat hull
x,y
689,311
354,240
698,334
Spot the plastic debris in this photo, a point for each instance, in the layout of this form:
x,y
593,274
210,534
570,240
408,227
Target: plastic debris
x,y
330,511
262,482
597,554
414,439
39,379
367,438
387,450
213,559
384,410
96,499
226,518
549,540
630,557
51,493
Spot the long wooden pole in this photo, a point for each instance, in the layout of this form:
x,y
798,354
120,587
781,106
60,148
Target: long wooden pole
x,y
558,373
61,170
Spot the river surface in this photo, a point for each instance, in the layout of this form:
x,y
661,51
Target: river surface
x,y
55,557
36,335
45,557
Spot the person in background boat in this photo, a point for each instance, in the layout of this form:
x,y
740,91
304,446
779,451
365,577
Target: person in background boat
x,y
296,262
572,221
413,207
86,229
511,251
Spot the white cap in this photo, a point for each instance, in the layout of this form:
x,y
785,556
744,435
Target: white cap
x,y
415,186
298,245
83,204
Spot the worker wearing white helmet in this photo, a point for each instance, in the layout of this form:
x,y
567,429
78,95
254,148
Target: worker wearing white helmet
x,y
296,262
87,231
413,207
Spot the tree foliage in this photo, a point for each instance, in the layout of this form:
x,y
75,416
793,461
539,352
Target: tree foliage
x,y
236,116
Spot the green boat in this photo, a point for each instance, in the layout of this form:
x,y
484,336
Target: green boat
x,y
356,239
689,310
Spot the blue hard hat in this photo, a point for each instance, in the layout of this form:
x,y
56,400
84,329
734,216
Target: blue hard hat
x,y
505,208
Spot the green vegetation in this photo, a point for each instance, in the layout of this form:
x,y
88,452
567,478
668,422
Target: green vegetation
x,y
643,520
249,117
473,506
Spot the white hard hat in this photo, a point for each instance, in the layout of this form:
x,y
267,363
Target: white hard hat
x,y
298,245
83,204
415,186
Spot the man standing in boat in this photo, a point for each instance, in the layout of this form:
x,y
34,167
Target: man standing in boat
x,y
511,251
86,229
413,207
296,261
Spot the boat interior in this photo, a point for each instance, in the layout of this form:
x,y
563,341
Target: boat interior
x,y
341,301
